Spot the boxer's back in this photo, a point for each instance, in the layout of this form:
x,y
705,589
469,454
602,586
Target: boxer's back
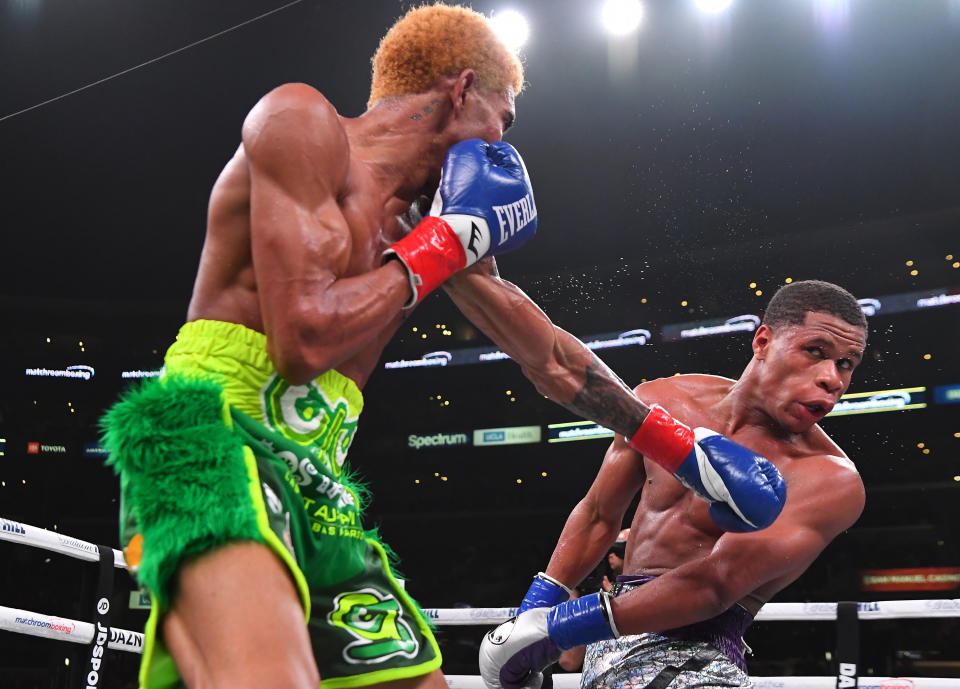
x,y
225,288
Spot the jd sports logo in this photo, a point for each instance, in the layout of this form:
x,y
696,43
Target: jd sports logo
x,y
305,415
376,620
474,236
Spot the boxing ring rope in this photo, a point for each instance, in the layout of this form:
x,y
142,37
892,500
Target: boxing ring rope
x,y
63,629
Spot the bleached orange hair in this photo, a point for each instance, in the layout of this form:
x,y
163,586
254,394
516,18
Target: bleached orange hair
x,y
433,41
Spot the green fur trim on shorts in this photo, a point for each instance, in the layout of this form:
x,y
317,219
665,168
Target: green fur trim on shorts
x,y
183,472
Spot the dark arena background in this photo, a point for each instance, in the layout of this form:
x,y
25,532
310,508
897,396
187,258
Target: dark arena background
x,y
683,172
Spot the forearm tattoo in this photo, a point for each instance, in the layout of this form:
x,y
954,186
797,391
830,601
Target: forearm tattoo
x,y
605,398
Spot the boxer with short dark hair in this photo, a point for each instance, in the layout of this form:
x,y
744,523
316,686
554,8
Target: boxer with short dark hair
x,y
676,616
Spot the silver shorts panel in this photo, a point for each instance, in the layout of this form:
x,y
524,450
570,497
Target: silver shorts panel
x,y
632,662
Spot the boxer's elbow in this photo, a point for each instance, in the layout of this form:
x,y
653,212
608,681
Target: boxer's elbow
x,y
708,597
290,360
720,589
298,350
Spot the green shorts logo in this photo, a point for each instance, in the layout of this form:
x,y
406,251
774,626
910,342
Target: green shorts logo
x,y
304,414
376,620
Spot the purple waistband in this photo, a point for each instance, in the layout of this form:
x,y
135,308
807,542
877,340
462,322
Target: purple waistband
x,y
725,631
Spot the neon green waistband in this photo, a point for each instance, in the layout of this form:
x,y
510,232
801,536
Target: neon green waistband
x,y
236,356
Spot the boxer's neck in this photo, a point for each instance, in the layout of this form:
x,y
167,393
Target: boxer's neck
x,y
745,405
403,142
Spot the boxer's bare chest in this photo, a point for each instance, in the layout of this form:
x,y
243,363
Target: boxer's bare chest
x,y
672,526
375,221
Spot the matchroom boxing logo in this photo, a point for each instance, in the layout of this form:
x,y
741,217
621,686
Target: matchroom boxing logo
x,y
81,371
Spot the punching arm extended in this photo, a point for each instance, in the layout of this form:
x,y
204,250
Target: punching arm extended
x,y
745,489
557,363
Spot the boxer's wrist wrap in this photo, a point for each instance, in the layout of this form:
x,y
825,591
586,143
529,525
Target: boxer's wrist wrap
x,y
582,621
546,577
663,439
544,592
431,253
605,599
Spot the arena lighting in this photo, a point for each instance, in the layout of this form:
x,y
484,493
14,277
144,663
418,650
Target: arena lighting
x,y
713,6
621,17
512,28
832,14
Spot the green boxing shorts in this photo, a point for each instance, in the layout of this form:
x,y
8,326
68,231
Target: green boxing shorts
x,y
222,434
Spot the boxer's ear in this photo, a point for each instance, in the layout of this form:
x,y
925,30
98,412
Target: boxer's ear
x,y
466,80
761,341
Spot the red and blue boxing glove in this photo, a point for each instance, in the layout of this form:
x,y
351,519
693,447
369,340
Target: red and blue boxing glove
x,y
745,490
483,207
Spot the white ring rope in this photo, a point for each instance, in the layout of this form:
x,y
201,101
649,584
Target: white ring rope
x,y
52,627
572,681
16,532
771,612
62,629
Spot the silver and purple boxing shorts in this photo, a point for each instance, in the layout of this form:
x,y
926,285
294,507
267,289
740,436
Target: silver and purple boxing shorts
x,y
702,656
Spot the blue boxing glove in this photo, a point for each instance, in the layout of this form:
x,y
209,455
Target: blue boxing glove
x,y
483,207
514,655
747,492
544,592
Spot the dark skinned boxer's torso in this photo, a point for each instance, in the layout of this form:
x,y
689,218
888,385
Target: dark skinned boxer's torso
x,y
671,526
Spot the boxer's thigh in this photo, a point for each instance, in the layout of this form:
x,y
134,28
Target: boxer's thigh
x,y
236,621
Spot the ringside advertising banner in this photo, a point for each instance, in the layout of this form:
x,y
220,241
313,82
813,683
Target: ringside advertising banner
x,y
45,448
745,323
899,399
451,439
910,579
76,372
576,430
481,355
510,435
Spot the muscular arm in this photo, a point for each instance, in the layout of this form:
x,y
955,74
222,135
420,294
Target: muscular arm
x,y
594,523
821,503
313,317
556,362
